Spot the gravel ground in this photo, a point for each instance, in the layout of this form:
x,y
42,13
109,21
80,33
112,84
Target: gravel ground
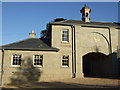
x,y
70,83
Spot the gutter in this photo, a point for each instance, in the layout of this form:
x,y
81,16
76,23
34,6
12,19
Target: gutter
x,y
2,65
110,44
94,26
31,49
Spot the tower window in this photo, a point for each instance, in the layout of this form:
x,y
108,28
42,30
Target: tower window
x,y
65,35
86,15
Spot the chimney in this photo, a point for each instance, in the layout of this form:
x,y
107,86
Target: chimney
x,y
32,34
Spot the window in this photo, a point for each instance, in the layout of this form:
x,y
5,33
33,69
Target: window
x,y
65,36
38,60
86,15
83,14
16,60
65,61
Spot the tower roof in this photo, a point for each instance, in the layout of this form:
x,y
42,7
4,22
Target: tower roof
x,y
85,6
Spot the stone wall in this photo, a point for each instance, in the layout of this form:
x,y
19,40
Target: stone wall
x,y
87,40
51,69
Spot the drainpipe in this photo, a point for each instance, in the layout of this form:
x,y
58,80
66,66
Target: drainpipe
x,y
110,45
73,49
2,65
73,53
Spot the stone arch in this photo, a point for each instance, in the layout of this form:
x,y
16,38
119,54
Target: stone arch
x,y
106,39
95,64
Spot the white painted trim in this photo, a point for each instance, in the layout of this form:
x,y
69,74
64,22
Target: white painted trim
x,y
65,42
37,65
68,35
64,66
62,59
12,61
33,61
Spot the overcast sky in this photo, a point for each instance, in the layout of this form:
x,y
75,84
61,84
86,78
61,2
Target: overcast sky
x,y
18,19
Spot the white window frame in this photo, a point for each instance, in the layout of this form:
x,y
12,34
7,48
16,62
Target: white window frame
x,y
12,61
62,61
34,61
67,35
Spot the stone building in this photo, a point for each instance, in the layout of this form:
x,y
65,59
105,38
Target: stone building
x,y
67,49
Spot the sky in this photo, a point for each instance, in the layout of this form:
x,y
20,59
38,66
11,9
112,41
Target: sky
x,y
20,18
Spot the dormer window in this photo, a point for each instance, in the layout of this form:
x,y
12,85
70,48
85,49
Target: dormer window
x,y
65,35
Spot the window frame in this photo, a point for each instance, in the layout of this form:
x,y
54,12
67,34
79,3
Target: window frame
x,y
67,35
86,14
64,59
12,61
34,60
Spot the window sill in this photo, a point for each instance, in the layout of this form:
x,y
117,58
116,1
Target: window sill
x,y
64,66
65,42
15,65
39,66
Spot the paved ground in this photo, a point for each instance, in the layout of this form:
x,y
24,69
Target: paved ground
x,y
71,83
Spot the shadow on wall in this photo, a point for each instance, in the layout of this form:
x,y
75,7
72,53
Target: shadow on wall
x,y
26,73
119,67
99,65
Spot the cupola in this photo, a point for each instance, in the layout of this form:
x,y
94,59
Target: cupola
x,y
85,13
32,34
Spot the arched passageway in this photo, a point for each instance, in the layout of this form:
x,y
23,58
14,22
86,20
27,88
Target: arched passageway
x,y
95,65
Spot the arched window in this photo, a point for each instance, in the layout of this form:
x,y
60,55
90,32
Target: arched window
x,y
86,15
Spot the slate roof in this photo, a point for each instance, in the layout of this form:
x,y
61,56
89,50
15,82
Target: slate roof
x,y
91,23
37,44
29,44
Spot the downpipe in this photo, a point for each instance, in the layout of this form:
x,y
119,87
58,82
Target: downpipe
x,y
2,65
73,53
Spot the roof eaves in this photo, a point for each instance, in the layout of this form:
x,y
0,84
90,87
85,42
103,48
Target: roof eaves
x,y
32,49
104,26
95,26
92,23
59,23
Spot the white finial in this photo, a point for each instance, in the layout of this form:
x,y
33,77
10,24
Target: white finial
x,y
32,34
32,31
